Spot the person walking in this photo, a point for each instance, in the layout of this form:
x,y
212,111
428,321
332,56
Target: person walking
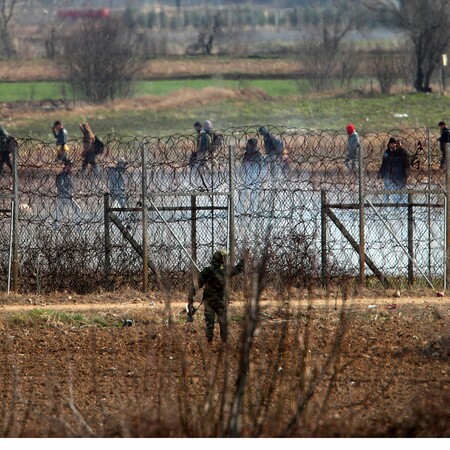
x,y
251,166
213,279
443,139
116,183
273,148
60,134
353,148
394,170
88,154
200,169
64,191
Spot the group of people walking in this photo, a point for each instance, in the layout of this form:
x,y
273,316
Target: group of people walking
x,y
394,169
92,147
396,161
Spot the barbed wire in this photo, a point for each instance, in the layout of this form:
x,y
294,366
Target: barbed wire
x,y
62,242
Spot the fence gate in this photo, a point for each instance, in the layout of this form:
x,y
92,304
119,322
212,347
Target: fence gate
x,y
175,215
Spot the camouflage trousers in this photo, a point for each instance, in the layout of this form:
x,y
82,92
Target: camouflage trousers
x,y
216,308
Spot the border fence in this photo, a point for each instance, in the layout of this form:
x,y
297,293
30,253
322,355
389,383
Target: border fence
x,y
166,214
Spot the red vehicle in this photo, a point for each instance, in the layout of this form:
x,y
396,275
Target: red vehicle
x,y
101,13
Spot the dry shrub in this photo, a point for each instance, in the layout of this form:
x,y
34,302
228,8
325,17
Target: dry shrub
x,y
429,416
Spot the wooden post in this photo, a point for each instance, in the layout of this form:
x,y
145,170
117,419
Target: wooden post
x,y
362,277
144,221
410,241
323,221
107,268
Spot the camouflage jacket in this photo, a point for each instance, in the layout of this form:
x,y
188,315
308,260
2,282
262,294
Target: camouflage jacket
x,y
214,277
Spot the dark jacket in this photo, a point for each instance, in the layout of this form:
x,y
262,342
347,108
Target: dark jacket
x,y
395,165
213,278
205,144
252,153
444,138
61,136
272,146
4,137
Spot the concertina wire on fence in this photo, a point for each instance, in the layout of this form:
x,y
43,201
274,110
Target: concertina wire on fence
x,y
62,244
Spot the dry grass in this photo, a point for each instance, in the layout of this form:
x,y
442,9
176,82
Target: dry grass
x,y
178,99
43,70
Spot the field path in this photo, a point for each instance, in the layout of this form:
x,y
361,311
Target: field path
x,y
363,302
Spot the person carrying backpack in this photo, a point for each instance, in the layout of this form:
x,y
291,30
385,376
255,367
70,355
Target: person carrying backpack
x,y
274,150
89,151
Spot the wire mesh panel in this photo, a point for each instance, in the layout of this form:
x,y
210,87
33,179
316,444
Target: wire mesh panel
x,y
278,175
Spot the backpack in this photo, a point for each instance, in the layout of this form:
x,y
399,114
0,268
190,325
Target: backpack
x,y
276,146
217,139
4,140
279,147
11,144
99,146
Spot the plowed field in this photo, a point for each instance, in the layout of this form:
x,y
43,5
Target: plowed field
x,y
375,366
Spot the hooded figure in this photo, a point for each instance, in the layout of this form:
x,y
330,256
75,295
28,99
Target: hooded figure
x,y
213,278
353,147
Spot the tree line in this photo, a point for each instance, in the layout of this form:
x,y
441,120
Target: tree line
x,y
102,57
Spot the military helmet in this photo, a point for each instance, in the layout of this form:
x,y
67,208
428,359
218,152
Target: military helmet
x,y
219,256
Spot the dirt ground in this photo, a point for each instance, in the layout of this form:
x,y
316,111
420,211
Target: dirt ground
x,y
370,366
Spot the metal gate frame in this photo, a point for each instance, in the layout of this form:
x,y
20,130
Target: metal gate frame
x,y
148,205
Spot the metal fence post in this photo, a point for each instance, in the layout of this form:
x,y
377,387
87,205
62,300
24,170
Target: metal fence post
x,y
144,220
362,277
323,221
15,225
429,203
231,205
194,237
107,267
410,241
447,215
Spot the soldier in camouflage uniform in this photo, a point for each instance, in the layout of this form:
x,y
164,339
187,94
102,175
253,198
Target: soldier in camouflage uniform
x,y
213,278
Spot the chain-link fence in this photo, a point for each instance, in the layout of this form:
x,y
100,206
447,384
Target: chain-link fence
x,y
67,240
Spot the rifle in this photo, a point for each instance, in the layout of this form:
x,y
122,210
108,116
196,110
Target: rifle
x,y
191,310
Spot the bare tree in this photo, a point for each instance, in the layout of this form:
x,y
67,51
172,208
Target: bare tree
x,y
427,24
101,58
319,54
386,67
206,38
6,13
